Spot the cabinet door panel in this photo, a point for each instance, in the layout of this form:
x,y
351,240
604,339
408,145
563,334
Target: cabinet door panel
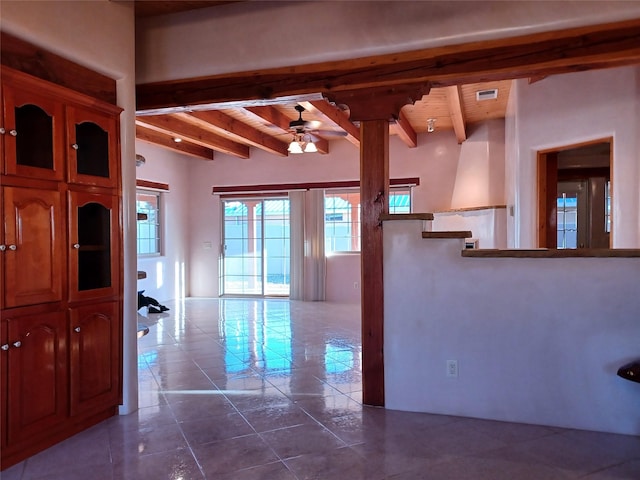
x,y
34,139
93,148
4,356
95,357
94,256
37,379
33,238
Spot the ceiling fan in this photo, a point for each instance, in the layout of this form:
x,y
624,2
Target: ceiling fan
x,y
301,126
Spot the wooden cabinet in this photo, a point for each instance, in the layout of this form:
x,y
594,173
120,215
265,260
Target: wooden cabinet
x,y
37,387
34,134
32,254
60,264
95,347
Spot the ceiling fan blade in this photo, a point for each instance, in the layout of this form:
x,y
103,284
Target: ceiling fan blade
x,y
329,133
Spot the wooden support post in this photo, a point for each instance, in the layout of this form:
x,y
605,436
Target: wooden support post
x,y
373,108
374,201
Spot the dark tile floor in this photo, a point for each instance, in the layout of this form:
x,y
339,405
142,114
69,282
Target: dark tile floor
x,y
271,389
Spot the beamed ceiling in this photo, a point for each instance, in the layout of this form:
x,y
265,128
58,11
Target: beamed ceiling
x,y
236,114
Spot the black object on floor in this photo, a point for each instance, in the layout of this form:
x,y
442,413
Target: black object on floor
x,y
630,371
151,303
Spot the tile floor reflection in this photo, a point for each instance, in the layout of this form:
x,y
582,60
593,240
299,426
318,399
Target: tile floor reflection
x,y
271,389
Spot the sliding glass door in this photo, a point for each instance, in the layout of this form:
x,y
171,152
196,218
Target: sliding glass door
x,y
256,251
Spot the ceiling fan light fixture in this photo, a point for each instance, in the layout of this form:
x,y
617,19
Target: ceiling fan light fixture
x,y
310,148
295,146
431,125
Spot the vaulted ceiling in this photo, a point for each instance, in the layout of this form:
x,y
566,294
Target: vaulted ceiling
x,y
254,109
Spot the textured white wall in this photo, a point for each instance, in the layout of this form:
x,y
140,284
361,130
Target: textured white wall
x,y
167,274
254,35
569,109
537,340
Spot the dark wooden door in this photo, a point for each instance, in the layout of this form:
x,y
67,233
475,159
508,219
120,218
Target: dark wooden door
x,y
95,357
33,239
37,375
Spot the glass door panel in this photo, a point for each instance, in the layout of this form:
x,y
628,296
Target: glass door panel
x,y
256,247
276,246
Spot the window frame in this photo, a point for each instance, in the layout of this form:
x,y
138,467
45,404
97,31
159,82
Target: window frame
x,y
408,189
159,223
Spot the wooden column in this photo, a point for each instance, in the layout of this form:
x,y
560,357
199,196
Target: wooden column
x,y
373,108
374,201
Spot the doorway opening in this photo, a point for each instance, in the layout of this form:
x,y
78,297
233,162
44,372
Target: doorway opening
x,y
256,247
574,196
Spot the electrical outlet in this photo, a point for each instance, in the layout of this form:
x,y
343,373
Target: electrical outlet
x,y
452,368
355,285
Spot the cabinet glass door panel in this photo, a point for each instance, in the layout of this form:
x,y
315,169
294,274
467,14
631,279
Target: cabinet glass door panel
x,y
34,143
93,258
34,138
94,237
92,148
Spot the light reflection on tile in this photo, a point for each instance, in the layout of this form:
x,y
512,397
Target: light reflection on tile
x,y
270,388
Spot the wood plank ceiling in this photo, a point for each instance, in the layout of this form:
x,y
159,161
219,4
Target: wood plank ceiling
x,y
172,117
237,130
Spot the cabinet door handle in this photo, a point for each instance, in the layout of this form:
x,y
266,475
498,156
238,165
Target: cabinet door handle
x,y
77,329
3,248
4,347
74,146
2,130
12,247
17,344
76,246
13,133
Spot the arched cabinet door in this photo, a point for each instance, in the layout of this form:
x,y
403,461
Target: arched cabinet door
x,y
94,254
94,357
92,147
32,253
33,134
36,357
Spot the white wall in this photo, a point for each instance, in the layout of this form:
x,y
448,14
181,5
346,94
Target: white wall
x,y
537,340
255,35
566,110
487,225
98,35
480,174
167,274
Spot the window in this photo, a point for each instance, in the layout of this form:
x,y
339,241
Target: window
x,y
607,209
342,217
400,200
342,221
148,210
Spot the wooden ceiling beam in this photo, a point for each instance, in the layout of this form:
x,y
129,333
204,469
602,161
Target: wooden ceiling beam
x,y
166,141
405,131
546,53
336,117
224,122
175,126
456,113
275,117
